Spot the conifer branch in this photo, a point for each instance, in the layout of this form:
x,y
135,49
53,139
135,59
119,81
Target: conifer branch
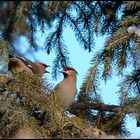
x,y
116,41
96,106
101,107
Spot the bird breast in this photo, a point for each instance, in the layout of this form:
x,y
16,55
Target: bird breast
x,y
66,91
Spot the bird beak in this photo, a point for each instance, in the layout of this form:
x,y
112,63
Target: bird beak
x,y
47,71
63,72
47,66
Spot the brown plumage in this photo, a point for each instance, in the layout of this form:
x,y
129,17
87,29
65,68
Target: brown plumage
x,y
66,90
20,64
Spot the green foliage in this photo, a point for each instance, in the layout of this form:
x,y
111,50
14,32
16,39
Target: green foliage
x,y
86,19
121,51
4,55
24,95
83,17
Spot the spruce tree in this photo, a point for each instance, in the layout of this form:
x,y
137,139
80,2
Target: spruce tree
x,y
117,20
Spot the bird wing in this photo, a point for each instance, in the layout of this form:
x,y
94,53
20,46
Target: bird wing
x,y
25,61
30,64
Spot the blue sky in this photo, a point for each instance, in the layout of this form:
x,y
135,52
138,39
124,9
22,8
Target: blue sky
x,y
80,60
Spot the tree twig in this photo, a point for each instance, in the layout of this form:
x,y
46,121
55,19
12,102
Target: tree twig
x,y
96,106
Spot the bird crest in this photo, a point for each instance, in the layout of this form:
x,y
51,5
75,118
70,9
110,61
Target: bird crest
x,y
69,68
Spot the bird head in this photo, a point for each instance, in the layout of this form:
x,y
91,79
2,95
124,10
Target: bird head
x,y
42,67
69,71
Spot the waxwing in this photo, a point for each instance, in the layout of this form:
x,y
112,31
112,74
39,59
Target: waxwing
x,y
19,64
66,90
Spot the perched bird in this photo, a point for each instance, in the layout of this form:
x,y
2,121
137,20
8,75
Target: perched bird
x,y
66,90
20,64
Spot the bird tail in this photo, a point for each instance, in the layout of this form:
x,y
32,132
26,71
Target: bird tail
x,y
11,56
